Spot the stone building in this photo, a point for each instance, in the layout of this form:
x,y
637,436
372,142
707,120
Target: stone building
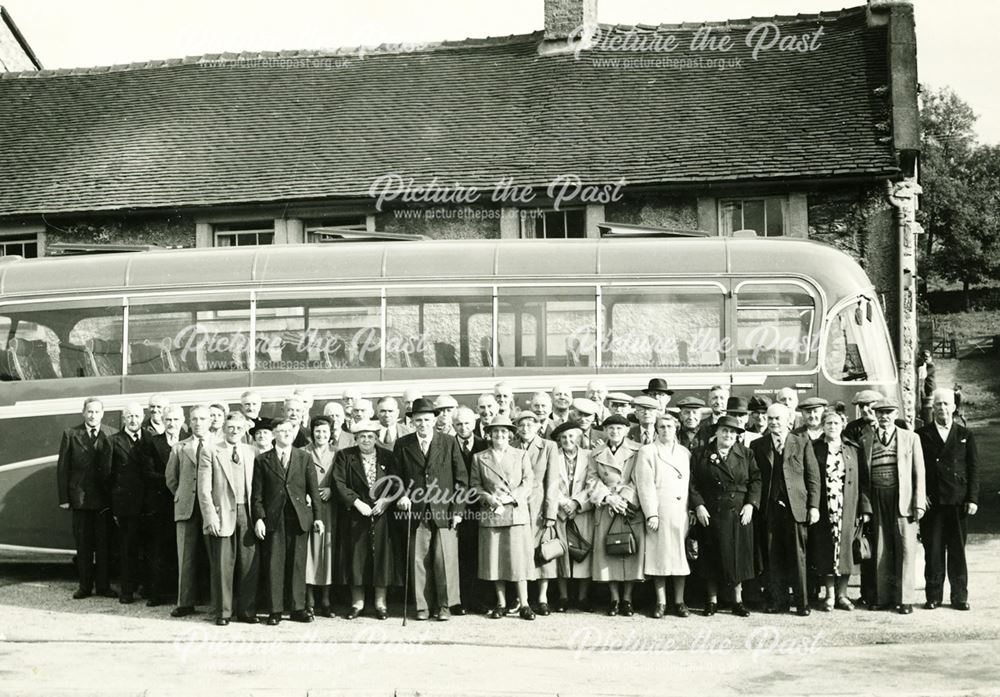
x,y
803,126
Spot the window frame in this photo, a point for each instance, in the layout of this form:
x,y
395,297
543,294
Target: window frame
x,y
220,230
742,200
815,323
22,240
526,214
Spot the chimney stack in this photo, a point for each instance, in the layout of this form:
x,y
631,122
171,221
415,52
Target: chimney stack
x,y
563,18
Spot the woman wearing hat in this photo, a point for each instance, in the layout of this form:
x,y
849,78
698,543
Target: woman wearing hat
x,y
320,553
725,490
662,476
543,500
370,549
843,499
502,477
610,480
574,508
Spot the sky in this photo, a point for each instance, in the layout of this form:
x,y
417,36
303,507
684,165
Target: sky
x,y
955,46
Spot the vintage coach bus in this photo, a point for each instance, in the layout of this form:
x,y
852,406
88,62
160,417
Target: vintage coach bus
x,y
447,316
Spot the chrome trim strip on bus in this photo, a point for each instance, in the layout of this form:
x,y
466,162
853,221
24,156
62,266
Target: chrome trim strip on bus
x,y
35,550
34,462
442,385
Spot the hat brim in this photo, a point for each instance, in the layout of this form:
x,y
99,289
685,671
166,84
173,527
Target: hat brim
x,y
652,392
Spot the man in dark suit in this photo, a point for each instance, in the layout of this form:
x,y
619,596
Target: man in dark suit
x,y
690,416
475,593
435,476
790,487
952,471
122,467
83,489
391,429
488,408
158,527
282,478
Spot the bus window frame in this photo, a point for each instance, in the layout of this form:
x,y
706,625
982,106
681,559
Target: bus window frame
x,y
878,318
819,303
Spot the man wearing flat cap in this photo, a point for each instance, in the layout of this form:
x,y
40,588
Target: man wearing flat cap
x,y
435,481
812,409
647,410
658,390
690,416
584,412
620,404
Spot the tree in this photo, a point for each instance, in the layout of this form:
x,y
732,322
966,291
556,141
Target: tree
x,y
960,181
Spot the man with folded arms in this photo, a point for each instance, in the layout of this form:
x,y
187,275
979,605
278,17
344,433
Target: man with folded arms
x,y
282,478
225,482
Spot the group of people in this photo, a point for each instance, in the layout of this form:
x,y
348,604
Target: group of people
x,y
459,507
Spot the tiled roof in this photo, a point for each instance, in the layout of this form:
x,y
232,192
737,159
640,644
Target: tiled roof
x,y
237,128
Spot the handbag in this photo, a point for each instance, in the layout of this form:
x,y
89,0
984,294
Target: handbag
x,y
579,547
549,549
620,540
861,546
691,548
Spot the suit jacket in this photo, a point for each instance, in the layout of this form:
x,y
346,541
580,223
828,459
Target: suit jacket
x,y
712,478
799,467
274,486
217,486
635,434
912,481
401,430
154,453
692,441
478,446
952,465
442,467
544,498
182,475
593,439
79,473
511,473
122,466
302,438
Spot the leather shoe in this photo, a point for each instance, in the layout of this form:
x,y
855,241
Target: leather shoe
x,y
221,622
562,604
301,616
107,593
585,606
497,613
153,602
904,609
274,619
182,611
422,615
444,614
81,594
710,609
527,613
962,605
543,609
803,611
458,610
740,610
325,611
627,610
381,613
932,605
126,599
353,613
248,619
843,603
658,611
682,610
613,609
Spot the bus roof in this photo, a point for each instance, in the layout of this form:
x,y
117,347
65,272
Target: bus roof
x,y
437,261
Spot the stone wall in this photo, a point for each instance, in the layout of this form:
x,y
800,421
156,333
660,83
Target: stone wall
x,y
658,210
441,223
165,231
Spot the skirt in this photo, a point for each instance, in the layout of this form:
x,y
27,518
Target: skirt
x,y
605,567
727,547
506,554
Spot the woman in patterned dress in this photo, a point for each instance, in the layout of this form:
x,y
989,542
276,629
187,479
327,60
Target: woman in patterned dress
x,y
842,502
371,549
319,555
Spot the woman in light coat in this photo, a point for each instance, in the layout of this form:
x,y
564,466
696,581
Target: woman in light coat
x,y
543,501
574,508
501,476
610,480
320,552
662,477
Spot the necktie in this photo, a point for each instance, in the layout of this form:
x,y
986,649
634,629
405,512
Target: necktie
x,y
93,434
423,446
283,459
236,456
645,437
778,446
466,445
884,437
390,436
197,453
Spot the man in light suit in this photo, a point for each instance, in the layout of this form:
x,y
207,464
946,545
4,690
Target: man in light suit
x,y
790,489
83,489
646,410
225,484
282,480
123,469
391,427
182,480
952,463
434,474
899,499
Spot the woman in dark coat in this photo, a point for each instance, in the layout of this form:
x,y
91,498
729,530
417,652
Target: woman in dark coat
x,y
843,499
370,548
725,490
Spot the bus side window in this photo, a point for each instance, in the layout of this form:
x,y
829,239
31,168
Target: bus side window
x,y
438,327
663,326
775,324
547,327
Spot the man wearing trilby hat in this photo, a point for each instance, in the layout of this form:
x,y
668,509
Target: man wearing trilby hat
x,y
658,390
435,478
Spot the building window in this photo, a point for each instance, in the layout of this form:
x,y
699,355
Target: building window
x,y
553,225
765,216
325,229
26,247
244,234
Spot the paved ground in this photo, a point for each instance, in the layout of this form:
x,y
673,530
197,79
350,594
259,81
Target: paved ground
x,y
50,644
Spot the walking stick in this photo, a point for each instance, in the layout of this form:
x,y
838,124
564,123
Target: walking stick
x,y
406,572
